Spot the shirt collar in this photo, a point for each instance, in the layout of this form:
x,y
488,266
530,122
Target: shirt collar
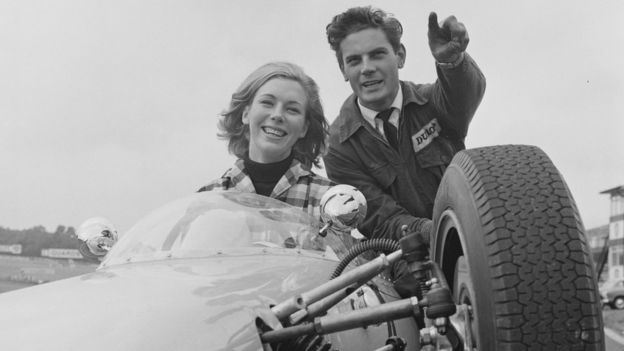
x,y
350,118
370,115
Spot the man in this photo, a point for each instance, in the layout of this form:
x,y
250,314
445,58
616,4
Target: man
x,y
394,139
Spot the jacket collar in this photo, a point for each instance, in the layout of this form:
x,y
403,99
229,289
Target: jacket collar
x,y
240,180
290,178
350,118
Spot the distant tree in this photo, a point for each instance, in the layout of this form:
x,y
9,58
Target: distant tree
x,y
38,229
34,239
60,230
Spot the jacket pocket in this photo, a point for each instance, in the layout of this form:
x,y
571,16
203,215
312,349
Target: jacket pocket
x,y
433,159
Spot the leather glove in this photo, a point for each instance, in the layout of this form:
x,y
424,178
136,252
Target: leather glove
x,y
448,41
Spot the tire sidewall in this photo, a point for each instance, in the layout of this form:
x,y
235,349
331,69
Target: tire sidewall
x,y
455,198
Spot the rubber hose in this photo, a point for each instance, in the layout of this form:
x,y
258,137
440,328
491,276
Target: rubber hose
x,y
384,245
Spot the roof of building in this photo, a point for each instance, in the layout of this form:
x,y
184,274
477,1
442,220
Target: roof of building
x,y
602,231
614,191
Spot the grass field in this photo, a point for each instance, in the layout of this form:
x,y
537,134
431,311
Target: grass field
x,y
18,272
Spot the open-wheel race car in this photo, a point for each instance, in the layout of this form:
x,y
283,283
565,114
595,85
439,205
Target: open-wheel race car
x,y
508,269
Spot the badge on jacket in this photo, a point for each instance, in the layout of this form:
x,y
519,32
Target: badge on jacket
x,y
425,136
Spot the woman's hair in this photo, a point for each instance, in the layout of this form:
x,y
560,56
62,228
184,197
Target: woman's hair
x,y
307,149
359,18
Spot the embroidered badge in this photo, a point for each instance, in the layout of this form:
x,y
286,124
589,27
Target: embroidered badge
x,y
425,136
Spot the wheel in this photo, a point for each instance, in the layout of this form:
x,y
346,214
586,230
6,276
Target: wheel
x,y
511,243
618,303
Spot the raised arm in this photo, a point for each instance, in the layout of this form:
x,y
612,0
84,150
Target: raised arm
x,y
460,86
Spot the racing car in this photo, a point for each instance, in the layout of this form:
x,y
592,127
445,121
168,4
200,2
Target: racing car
x,y
508,268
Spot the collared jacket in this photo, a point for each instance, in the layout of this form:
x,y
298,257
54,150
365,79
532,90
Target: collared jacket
x,y
400,185
298,187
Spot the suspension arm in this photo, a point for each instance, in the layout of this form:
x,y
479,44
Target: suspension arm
x,y
345,321
358,275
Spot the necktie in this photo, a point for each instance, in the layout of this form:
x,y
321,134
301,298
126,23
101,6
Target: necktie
x,y
389,129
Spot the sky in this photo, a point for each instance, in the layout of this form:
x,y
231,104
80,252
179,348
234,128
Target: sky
x,y
109,108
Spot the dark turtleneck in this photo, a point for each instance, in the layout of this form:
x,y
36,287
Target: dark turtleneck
x,y
265,175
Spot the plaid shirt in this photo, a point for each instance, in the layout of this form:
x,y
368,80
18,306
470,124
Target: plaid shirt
x,y
298,187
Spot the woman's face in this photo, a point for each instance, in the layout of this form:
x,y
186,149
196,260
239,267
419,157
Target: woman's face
x,y
276,119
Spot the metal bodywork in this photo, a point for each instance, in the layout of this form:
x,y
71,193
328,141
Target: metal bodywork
x,y
612,294
195,275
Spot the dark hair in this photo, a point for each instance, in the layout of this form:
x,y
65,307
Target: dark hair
x,y
356,19
307,149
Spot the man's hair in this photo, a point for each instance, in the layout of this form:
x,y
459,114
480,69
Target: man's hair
x,y
307,149
356,19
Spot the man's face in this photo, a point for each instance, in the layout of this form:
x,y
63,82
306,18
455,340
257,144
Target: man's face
x,y
372,67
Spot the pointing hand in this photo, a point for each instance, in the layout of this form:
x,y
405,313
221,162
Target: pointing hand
x,y
448,41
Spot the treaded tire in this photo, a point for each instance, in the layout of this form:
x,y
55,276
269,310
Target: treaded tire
x,y
508,213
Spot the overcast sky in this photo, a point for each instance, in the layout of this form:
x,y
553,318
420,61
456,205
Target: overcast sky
x,y
109,108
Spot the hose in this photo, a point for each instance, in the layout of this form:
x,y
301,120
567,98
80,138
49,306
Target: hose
x,y
384,245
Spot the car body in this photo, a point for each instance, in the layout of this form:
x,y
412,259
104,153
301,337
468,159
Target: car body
x,y
612,294
197,274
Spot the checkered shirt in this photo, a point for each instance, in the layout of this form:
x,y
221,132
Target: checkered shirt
x,y
298,187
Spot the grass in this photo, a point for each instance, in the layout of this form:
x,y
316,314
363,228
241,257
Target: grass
x,y
18,272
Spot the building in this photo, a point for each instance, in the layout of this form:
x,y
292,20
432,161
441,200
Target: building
x,y
598,238
615,241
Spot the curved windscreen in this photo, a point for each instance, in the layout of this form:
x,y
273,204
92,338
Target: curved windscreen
x,y
209,223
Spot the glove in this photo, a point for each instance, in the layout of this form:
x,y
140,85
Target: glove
x,y
448,42
422,227
426,231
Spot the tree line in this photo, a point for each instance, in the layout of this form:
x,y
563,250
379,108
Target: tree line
x,y
34,239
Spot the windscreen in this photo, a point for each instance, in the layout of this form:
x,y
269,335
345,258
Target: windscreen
x,y
210,223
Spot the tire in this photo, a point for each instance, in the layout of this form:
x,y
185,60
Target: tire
x,y
510,239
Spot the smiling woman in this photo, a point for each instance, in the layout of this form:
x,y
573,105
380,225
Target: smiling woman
x,y
276,127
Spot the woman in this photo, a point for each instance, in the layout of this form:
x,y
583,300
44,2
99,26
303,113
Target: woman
x,y
276,127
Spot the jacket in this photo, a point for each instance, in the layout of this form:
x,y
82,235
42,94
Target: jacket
x,y
400,185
